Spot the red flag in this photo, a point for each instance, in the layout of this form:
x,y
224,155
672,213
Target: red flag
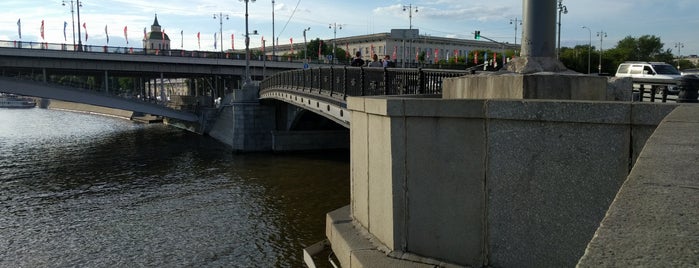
x,y
163,34
126,36
42,30
199,39
291,40
475,57
232,42
372,51
395,52
85,27
436,55
495,59
347,54
320,44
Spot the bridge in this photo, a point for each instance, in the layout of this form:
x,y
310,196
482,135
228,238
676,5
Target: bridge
x,y
324,90
40,70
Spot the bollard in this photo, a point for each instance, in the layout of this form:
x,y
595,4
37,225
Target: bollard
x,y
689,87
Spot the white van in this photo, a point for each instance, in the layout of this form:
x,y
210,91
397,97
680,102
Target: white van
x,y
655,70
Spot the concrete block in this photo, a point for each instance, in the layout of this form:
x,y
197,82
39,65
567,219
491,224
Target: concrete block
x,y
459,108
381,180
359,162
383,106
345,241
653,220
562,86
619,89
375,258
549,185
648,113
560,111
355,103
446,199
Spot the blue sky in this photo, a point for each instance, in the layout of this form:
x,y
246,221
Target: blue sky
x,y
674,21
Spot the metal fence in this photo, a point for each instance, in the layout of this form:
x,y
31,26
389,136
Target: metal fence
x,y
340,82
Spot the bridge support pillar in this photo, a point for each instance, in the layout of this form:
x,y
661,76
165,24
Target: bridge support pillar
x,y
244,124
537,74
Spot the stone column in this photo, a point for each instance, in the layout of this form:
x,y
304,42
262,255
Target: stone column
x,y
538,39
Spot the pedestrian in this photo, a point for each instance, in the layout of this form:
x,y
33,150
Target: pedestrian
x,y
386,61
357,61
375,61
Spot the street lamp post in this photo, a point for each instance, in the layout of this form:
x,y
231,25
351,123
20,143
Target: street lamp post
x,y
516,22
408,8
601,35
679,47
78,4
274,48
334,27
247,43
561,9
589,48
220,28
305,47
72,19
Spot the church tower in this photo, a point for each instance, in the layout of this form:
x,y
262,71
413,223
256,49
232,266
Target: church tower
x,y
156,39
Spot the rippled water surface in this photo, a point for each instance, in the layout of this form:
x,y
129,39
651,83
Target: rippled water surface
x,y
92,191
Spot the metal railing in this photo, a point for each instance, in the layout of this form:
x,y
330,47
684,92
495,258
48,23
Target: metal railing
x,y
340,82
663,90
236,55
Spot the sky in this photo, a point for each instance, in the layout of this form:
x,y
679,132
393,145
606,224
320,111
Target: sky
x,y
676,22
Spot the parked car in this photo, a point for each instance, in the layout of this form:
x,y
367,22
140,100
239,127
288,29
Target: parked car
x,y
654,70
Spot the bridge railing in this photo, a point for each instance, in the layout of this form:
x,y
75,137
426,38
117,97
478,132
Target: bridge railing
x,y
340,82
239,55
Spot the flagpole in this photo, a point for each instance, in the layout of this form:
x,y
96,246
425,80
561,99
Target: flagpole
x,y
80,43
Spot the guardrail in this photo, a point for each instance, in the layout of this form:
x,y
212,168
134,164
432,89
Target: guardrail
x,y
238,55
658,89
344,81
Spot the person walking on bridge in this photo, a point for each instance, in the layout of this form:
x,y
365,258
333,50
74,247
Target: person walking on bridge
x,y
357,61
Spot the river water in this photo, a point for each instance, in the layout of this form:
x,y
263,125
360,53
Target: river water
x,y
80,190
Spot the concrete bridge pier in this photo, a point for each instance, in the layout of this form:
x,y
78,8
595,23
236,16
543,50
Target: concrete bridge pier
x,y
537,74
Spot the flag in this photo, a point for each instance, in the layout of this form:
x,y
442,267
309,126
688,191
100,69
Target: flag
x,y
126,35
199,40
106,33
495,59
372,51
436,55
485,57
215,40
232,43
503,58
448,56
456,55
347,54
163,34
145,35
291,40
65,24
320,44
475,57
263,44
395,52
85,27
417,54
182,40
19,28
42,29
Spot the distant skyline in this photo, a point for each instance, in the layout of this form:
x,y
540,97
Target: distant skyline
x,y
673,21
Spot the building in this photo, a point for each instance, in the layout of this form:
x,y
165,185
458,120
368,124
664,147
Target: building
x,y
156,40
400,49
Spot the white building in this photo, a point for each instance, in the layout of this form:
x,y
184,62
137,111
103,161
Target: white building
x,y
156,40
398,49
